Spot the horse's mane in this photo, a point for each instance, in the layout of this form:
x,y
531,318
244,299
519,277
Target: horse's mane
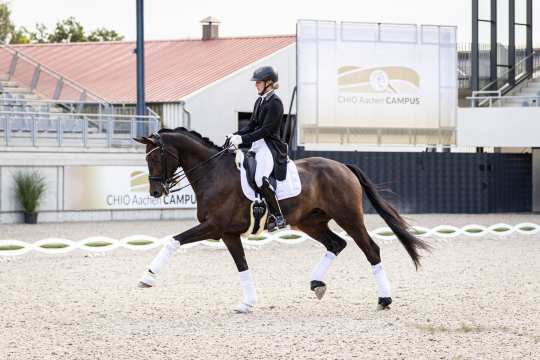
x,y
193,134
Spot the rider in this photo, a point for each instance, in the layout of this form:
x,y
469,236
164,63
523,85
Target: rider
x,y
263,132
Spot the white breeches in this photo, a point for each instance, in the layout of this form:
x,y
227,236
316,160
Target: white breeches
x,y
265,161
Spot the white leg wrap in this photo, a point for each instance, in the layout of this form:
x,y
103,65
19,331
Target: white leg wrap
x,y
250,294
322,267
163,256
383,286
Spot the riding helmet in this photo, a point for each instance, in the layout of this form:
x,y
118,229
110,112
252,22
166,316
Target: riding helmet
x,y
265,73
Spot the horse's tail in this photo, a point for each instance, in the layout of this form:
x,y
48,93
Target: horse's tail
x,y
390,215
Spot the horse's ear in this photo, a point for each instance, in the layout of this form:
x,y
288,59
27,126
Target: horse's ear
x,y
144,140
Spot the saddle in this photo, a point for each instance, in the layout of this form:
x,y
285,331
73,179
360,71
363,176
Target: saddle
x,y
250,164
288,188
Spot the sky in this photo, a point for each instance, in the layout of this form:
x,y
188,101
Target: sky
x,y
174,19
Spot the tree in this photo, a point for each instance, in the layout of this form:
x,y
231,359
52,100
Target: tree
x,y
6,26
68,30
39,36
102,34
20,36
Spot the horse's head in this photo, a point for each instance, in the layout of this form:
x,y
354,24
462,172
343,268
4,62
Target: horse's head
x,y
163,160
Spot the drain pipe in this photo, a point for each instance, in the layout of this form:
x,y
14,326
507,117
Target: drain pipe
x,y
187,112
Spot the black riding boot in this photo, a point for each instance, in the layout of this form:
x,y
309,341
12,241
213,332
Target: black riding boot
x,y
275,219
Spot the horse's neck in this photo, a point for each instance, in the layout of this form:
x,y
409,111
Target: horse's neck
x,y
193,153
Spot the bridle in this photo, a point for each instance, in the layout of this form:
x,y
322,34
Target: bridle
x,y
169,182
164,180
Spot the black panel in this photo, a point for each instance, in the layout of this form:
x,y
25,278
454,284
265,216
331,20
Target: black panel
x,y
430,182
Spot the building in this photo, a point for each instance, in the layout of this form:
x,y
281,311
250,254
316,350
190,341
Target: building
x,y
202,83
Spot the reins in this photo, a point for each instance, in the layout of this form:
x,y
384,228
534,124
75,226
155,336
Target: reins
x,y
168,183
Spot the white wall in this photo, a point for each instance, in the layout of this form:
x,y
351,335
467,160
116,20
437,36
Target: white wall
x,y
214,109
50,163
501,127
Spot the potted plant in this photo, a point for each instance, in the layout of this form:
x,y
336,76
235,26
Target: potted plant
x,y
29,187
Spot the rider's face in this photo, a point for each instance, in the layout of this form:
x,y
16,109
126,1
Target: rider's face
x,y
260,86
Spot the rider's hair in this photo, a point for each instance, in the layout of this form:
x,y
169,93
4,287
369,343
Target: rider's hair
x,y
275,86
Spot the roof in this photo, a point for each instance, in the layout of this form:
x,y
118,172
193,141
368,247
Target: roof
x,y
174,68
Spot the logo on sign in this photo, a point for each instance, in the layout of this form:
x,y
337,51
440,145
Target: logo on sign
x,y
390,79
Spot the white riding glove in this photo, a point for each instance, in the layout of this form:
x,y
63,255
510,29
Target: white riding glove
x,y
236,140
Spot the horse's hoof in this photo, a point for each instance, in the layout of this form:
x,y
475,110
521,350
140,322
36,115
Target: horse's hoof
x,y
384,303
319,288
148,280
244,308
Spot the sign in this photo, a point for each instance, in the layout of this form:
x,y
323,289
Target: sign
x,y
376,76
117,187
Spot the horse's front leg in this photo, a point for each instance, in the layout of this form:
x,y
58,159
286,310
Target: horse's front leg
x,y
206,230
234,245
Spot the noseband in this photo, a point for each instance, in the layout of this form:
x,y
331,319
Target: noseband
x,y
164,180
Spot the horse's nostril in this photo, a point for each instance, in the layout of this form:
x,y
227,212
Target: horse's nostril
x,y
156,193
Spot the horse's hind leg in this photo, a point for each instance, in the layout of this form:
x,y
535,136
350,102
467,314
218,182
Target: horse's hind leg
x,y
354,226
319,230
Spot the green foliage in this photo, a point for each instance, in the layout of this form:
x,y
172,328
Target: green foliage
x,y
39,36
67,30
6,26
102,34
30,187
20,36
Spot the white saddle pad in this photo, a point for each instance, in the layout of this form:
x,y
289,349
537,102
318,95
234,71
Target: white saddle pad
x,y
288,188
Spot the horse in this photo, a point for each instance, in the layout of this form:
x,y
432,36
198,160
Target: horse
x,y
330,190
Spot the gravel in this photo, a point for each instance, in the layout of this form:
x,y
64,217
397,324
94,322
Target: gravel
x,y
473,298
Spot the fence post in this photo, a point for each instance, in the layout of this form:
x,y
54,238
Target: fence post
x,y
34,130
59,130
109,130
6,129
85,131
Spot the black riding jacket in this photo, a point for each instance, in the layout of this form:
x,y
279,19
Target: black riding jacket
x,y
265,123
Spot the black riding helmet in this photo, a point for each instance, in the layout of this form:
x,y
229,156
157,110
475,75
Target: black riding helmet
x,y
265,73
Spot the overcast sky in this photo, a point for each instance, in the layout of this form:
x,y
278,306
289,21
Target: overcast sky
x,y
173,19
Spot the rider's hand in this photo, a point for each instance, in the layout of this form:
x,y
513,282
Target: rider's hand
x,y
236,140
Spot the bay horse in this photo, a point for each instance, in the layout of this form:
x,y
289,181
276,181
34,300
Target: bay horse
x,y
330,190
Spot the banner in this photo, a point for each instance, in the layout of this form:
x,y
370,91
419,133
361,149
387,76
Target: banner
x,y
376,76
117,187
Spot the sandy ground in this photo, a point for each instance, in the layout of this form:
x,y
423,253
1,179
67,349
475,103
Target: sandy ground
x,y
472,299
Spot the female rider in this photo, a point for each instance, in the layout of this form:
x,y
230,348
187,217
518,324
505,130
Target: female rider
x,y
263,132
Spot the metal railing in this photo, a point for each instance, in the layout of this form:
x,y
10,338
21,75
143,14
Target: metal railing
x,y
21,103
465,66
22,128
483,97
501,101
49,84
